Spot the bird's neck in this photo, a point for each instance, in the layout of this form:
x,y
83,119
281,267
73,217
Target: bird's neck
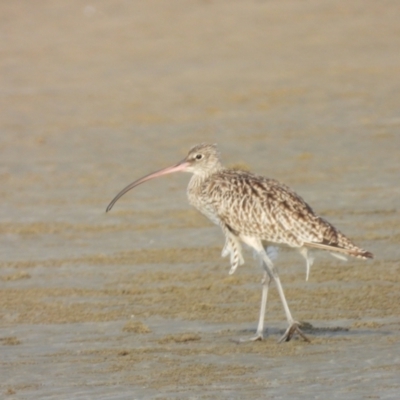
x,y
196,183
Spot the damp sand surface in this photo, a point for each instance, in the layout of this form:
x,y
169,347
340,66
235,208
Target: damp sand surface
x,y
138,303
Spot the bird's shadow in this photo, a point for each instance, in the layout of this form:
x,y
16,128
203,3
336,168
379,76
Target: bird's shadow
x,y
316,331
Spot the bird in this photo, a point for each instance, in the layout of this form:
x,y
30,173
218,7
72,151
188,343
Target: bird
x,y
259,212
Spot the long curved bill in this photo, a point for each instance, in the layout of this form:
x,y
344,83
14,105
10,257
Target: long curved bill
x,y
181,166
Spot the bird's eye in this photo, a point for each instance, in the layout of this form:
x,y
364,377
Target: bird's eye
x,y
199,156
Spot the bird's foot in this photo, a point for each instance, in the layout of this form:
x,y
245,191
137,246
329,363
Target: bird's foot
x,y
291,330
258,336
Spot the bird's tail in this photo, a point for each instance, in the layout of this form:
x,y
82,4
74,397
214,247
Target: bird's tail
x,y
335,242
352,250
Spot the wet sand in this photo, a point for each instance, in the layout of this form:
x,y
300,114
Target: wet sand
x,y
138,303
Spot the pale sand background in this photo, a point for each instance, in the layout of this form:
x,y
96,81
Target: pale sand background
x,y
96,94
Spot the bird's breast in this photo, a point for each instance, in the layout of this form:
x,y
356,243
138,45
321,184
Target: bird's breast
x,y
201,200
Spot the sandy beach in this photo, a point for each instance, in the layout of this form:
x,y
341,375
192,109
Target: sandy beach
x,y
137,303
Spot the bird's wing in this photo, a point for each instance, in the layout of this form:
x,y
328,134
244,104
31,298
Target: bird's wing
x,y
256,206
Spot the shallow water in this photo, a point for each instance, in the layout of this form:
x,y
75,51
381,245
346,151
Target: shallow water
x,y
137,303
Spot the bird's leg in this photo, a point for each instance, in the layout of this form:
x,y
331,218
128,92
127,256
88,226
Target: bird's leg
x,y
272,273
309,260
272,252
293,325
266,281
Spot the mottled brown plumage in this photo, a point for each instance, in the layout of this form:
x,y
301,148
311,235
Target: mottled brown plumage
x,y
253,205
257,206
253,209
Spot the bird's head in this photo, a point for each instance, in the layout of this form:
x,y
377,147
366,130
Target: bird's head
x,y
202,159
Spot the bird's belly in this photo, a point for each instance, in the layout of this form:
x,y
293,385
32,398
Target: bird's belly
x,y
204,209
210,215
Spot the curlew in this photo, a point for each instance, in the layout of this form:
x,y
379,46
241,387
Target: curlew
x,y
259,212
